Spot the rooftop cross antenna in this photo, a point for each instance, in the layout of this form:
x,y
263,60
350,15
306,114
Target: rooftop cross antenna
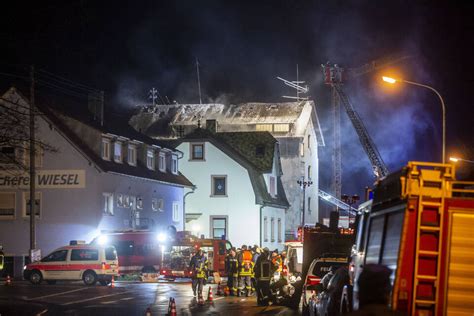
x,y
153,95
295,85
199,80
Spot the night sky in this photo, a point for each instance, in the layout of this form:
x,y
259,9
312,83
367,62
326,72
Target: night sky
x,y
125,48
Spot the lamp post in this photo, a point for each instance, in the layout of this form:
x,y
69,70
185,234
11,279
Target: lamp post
x,y
392,81
304,184
351,200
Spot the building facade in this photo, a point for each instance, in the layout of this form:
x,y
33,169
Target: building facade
x,y
239,195
294,124
98,177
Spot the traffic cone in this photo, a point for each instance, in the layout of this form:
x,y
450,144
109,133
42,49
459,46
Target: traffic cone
x,y
8,281
173,308
112,283
219,289
148,311
210,298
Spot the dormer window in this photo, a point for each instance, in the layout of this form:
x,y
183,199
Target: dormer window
x,y
132,155
174,164
162,162
105,149
150,159
118,152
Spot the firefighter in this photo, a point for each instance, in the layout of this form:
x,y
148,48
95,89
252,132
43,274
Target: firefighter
x,y
263,270
198,266
245,271
232,271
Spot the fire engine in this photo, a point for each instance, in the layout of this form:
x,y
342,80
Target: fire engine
x,y
421,226
152,252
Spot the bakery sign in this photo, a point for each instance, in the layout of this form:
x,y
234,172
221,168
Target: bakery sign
x,y
45,179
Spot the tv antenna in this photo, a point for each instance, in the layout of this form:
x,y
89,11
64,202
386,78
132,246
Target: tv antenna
x,y
153,95
297,85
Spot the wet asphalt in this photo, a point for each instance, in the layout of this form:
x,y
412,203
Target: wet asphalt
x,y
126,298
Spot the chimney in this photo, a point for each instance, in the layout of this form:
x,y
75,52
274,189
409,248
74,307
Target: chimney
x,y
211,125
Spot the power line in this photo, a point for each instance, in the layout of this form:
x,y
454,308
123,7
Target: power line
x,y
47,73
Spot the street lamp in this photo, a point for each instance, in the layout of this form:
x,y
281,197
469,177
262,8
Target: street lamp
x,y
303,184
456,159
351,200
392,81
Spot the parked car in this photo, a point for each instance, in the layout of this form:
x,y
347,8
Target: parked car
x,y
90,263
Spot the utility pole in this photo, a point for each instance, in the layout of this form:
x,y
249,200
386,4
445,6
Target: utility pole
x,y
199,80
32,164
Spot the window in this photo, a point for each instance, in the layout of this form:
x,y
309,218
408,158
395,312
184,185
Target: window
x,y
272,186
272,229
26,204
264,128
139,202
302,149
105,149
309,204
162,162
84,254
265,229
38,155
176,214
126,201
375,240
59,255
281,128
118,151
110,253
309,141
125,247
279,230
219,184
7,205
260,150
108,203
174,164
218,227
197,151
132,155
150,159
119,200
391,243
7,154
309,172
157,204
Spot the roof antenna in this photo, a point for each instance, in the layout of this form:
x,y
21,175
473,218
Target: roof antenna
x,y
296,85
153,95
199,80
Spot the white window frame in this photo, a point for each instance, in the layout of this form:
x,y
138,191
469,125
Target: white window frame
x,y
39,153
108,208
120,200
139,203
176,214
281,128
132,155
118,145
309,172
213,193
279,231
9,217
150,159
126,201
272,229
264,127
105,149
157,205
26,196
302,149
218,217
162,161
174,164
265,229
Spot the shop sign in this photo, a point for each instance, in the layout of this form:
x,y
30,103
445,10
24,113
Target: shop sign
x,y
45,179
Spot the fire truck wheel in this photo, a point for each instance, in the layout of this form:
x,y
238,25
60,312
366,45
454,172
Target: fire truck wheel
x,y
51,282
89,277
36,277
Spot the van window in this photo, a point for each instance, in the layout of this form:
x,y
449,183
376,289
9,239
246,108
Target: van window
x,y
392,239
110,253
125,247
375,240
221,248
59,255
84,255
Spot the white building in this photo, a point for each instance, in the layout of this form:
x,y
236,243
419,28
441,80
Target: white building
x,y
294,124
239,193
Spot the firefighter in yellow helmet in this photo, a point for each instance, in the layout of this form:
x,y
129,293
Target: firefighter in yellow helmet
x,y
246,266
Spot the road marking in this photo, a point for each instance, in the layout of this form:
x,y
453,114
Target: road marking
x,y
56,294
94,298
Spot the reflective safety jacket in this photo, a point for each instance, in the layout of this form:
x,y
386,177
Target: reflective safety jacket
x,y
232,266
246,268
2,259
199,266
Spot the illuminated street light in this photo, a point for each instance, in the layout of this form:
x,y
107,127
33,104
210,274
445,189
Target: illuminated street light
x,y
392,81
304,184
456,159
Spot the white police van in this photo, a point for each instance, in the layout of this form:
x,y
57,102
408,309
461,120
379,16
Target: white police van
x,y
78,261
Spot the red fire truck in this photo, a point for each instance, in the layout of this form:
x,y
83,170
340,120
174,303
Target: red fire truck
x,y
150,252
421,226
